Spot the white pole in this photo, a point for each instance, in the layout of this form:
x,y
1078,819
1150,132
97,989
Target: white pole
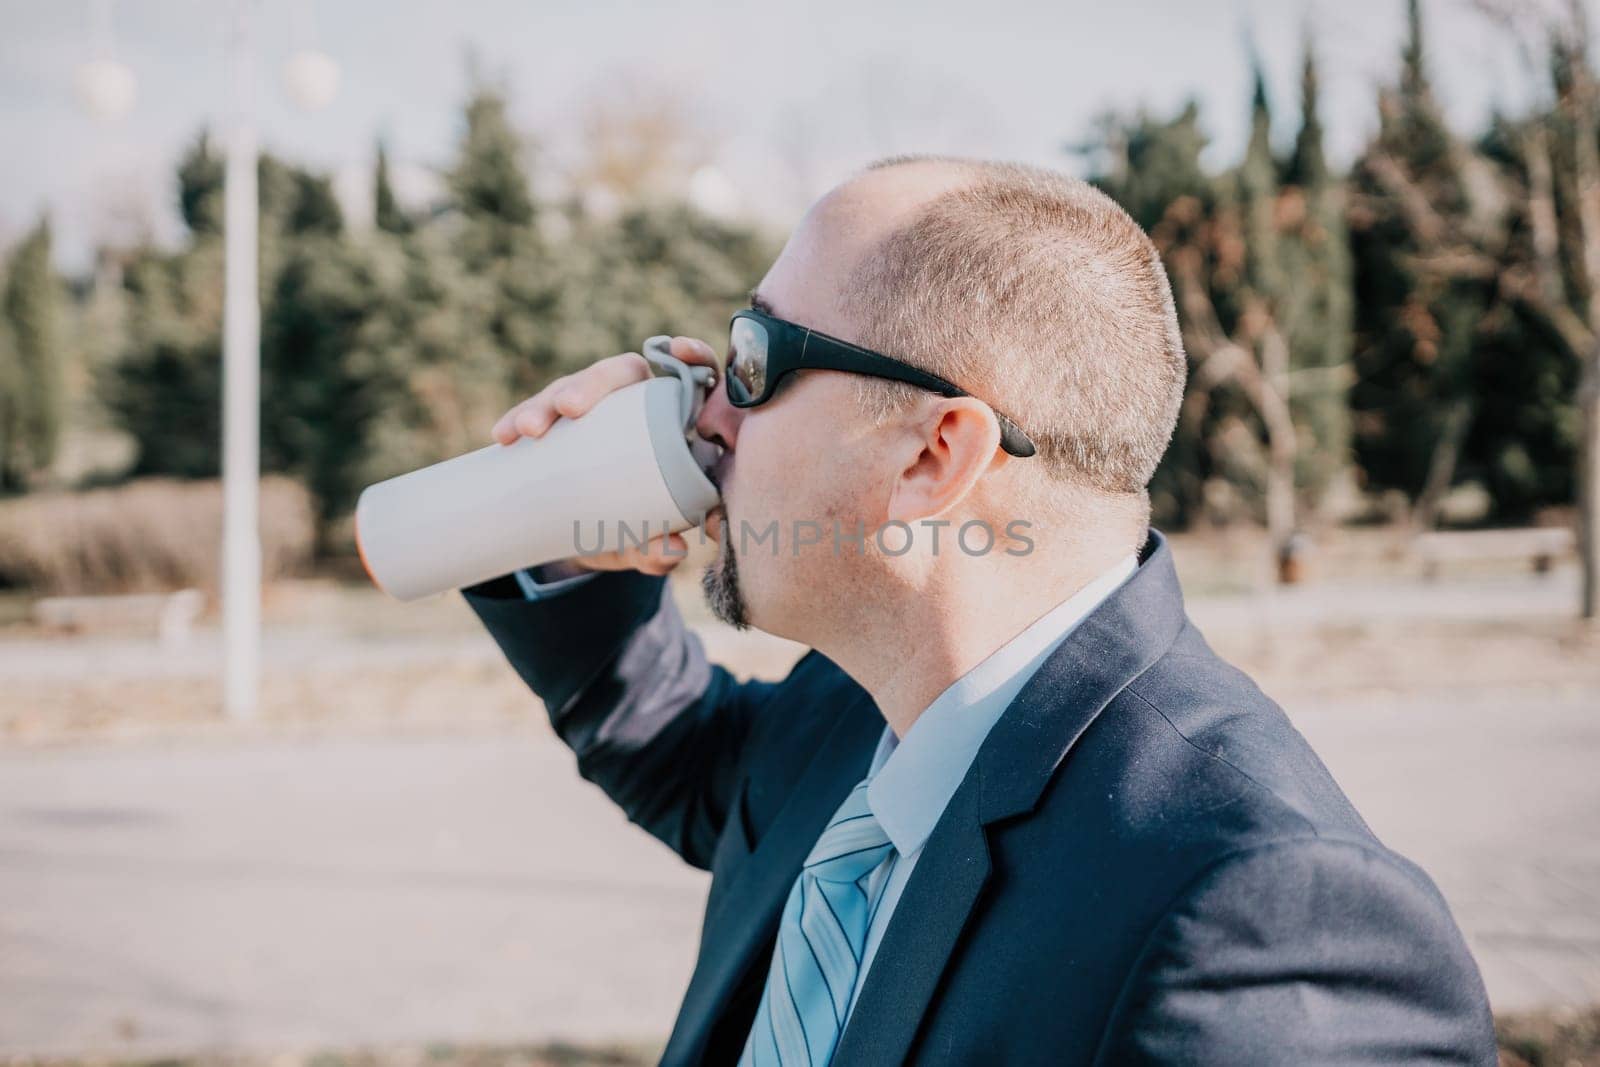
x,y
241,387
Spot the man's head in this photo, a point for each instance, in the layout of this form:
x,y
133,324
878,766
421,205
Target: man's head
x,y
1030,291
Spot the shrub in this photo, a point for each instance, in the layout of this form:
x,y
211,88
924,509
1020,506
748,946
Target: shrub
x,y
148,535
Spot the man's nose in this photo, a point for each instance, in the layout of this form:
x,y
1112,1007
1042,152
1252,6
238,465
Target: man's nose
x,y
719,420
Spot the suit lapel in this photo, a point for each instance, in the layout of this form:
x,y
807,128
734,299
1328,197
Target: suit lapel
x,y
747,914
1116,643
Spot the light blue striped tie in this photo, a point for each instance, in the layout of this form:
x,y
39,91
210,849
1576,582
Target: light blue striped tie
x,y
818,955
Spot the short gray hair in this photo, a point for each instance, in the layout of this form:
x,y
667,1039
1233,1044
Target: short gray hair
x,y
1038,293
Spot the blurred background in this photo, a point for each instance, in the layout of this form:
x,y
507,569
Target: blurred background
x,y
1382,222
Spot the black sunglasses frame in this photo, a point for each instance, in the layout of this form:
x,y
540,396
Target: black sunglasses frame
x,y
792,347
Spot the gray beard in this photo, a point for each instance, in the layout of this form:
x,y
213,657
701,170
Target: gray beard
x,y
721,585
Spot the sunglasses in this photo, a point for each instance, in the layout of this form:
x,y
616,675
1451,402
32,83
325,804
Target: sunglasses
x,y
763,349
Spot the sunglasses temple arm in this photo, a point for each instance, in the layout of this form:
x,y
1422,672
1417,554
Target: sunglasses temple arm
x,y
1012,439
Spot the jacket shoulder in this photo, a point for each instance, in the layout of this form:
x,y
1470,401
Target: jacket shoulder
x,y
1393,981
1232,737
1266,870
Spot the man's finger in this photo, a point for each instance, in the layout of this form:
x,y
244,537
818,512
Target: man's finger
x,y
534,417
583,391
505,430
659,554
693,350
571,396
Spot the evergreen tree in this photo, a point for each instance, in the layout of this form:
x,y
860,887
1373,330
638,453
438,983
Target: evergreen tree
x,y
1415,91
1264,302
430,368
165,390
1308,166
11,399
1416,327
200,181
654,268
1259,266
1522,444
488,183
1146,163
295,201
388,215
500,247
318,393
1318,310
1258,195
386,351
34,395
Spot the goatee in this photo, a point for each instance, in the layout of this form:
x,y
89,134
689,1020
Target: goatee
x,y
720,581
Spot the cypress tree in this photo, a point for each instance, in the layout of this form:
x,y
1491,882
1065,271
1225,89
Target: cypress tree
x,y
10,404
1258,192
1415,327
1265,307
488,182
200,196
1308,166
388,215
1318,316
32,308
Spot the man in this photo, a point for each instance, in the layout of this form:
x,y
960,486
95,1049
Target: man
x,y
1010,809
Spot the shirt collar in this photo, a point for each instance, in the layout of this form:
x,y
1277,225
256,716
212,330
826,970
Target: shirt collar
x,y
913,778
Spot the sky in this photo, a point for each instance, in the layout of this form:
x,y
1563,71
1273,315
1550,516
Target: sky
x,y
787,97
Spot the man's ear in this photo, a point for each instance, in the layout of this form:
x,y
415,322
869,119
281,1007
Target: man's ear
x,y
951,448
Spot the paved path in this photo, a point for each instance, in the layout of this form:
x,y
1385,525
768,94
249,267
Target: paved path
x,y
1497,795
158,899
164,897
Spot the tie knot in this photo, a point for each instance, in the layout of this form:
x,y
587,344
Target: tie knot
x,y
852,844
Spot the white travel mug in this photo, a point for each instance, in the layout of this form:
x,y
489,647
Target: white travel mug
x,y
630,469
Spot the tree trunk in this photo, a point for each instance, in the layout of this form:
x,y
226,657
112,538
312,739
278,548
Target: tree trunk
x,y
1542,213
1589,485
1273,404
1441,467
1586,157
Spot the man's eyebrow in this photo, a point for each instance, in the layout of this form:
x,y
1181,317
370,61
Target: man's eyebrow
x,y
761,304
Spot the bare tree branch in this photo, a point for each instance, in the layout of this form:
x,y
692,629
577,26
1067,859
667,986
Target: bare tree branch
x,y
1426,222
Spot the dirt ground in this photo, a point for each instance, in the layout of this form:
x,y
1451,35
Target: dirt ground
x,y
557,1055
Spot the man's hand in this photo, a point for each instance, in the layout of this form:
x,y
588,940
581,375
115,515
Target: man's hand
x,y
572,397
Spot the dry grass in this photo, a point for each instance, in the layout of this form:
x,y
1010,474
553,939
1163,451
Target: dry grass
x,y
1568,1038
1557,1039
428,697
148,535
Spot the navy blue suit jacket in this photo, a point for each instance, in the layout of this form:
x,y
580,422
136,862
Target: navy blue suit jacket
x,y
1146,862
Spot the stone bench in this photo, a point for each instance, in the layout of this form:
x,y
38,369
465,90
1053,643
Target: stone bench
x,y
1540,546
171,616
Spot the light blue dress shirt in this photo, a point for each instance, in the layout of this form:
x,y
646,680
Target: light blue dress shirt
x,y
913,778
